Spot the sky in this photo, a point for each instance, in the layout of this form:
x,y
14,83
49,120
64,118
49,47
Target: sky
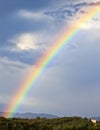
x,y
70,84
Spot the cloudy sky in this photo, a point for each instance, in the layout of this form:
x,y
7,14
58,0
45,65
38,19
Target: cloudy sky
x,y
70,85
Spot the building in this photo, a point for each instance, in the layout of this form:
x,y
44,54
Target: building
x,y
93,120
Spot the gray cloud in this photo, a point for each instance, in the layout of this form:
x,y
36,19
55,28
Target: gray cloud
x,y
70,9
11,77
94,3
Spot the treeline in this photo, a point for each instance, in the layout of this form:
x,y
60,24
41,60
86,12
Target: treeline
x,y
64,123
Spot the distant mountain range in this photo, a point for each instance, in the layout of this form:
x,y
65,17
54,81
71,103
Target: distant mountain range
x,y
30,115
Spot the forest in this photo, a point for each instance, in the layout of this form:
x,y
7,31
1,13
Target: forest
x,y
62,123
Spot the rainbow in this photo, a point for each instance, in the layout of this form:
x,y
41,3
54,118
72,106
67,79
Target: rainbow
x,y
42,63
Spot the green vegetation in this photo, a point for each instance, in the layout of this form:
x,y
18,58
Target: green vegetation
x,y
64,123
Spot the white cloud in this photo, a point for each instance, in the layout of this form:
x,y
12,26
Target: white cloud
x,y
30,15
5,62
88,25
31,41
92,24
25,41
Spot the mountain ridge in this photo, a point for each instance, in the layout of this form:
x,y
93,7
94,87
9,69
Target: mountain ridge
x,y
29,115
